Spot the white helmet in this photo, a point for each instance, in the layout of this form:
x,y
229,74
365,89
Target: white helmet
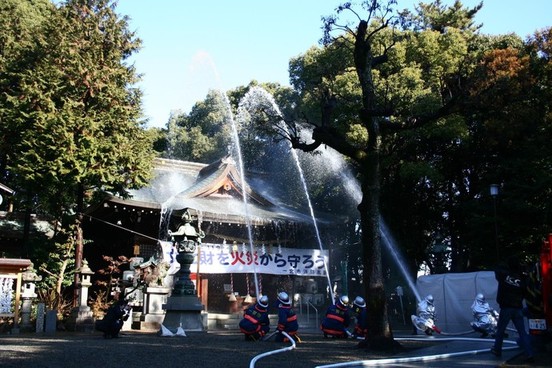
x,y
263,301
283,297
429,299
344,300
480,298
359,302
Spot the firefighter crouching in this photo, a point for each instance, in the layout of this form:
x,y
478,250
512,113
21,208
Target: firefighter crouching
x,y
485,317
337,319
287,319
425,320
361,316
255,323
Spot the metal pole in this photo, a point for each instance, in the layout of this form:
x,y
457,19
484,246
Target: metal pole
x,y
400,294
496,231
494,189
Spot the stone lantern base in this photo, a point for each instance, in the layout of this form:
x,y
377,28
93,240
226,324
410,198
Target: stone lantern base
x,y
81,319
184,311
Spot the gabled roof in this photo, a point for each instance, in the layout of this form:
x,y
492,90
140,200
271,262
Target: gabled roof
x,y
214,191
222,178
218,194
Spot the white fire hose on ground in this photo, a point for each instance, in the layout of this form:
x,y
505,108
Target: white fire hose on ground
x,y
421,358
254,360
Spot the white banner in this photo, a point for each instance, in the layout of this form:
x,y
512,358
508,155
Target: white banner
x,y
222,258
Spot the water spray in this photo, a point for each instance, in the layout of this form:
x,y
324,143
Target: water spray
x,y
262,93
244,194
389,243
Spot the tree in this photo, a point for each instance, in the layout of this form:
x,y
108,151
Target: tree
x,y
510,104
21,25
73,103
201,135
363,88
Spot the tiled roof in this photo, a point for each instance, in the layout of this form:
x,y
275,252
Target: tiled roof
x,y
214,190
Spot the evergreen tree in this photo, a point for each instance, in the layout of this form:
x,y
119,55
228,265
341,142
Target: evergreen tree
x,y
70,95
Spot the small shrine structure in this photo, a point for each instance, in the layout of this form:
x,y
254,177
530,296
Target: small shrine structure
x,y
11,285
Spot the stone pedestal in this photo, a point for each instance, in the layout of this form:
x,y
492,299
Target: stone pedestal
x,y
184,311
81,319
183,308
26,324
153,314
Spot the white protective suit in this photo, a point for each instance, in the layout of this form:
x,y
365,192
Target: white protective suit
x,y
425,318
485,317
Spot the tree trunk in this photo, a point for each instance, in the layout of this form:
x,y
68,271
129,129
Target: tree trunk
x,y
79,244
380,336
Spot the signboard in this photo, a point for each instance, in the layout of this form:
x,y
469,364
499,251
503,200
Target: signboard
x,y
221,258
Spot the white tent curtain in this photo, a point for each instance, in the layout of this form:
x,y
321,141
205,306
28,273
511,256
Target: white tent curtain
x,y
454,294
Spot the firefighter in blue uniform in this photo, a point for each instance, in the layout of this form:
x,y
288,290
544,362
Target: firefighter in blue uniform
x,y
255,323
361,316
337,319
287,319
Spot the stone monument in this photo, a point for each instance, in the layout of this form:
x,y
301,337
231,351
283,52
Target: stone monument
x,y
183,308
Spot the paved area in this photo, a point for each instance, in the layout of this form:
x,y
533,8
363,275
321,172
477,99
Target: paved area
x,y
228,349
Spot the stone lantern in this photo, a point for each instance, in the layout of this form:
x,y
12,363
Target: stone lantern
x,y
183,308
85,273
81,318
29,277
187,239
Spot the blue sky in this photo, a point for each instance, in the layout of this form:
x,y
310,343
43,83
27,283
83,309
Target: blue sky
x,y
192,46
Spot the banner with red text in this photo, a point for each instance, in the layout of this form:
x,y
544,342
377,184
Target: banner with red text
x,y
221,258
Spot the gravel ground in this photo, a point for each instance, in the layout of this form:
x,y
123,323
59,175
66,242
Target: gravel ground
x,y
207,349
219,349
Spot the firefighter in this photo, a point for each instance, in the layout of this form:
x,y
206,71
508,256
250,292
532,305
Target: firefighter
x,y
255,323
425,318
337,319
361,316
485,317
287,319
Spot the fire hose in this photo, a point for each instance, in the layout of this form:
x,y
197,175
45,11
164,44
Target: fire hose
x,y
421,358
291,347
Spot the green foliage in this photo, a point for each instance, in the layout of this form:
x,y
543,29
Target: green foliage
x,y
454,110
441,18
55,258
72,103
201,135
321,72
21,27
69,118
